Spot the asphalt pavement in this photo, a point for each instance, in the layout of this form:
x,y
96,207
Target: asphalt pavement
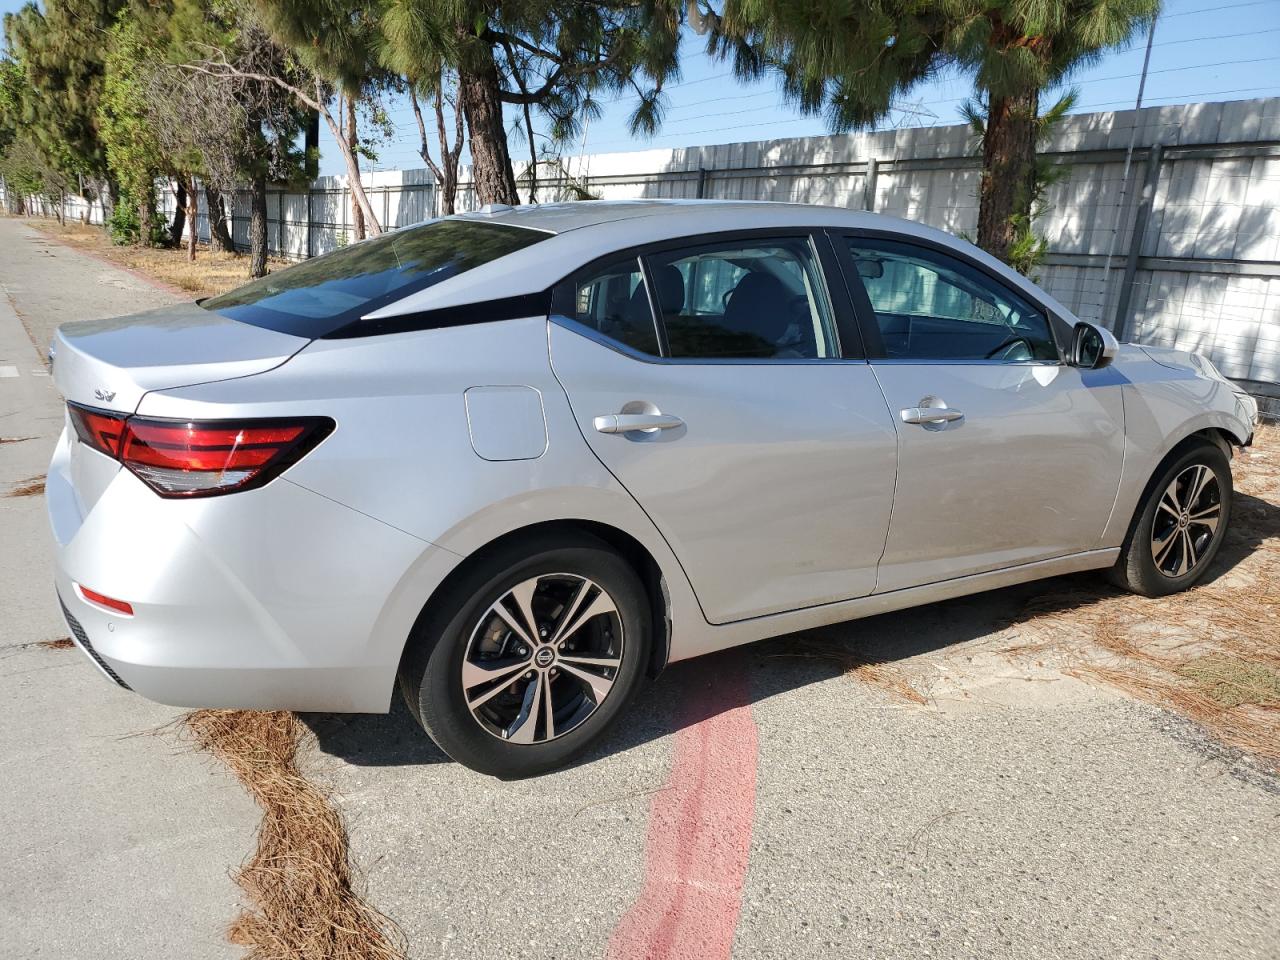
x,y
757,803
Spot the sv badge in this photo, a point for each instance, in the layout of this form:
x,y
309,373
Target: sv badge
x,y
106,396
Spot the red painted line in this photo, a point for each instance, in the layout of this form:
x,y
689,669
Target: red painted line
x,y
699,833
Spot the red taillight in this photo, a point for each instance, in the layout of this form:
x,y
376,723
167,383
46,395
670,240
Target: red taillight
x,y
102,600
99,430
200,458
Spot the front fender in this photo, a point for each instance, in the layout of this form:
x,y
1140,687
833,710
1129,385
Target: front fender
x,y
1163,408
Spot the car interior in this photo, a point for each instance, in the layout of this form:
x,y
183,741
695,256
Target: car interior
x,y
927,309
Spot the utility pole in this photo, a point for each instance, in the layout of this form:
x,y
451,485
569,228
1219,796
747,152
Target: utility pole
x,y
1124,177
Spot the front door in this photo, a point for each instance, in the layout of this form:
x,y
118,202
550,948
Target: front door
x,y
1006,455
707,378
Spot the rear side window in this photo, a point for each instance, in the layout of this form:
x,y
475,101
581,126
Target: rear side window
x,y
320,296
613,300
747,299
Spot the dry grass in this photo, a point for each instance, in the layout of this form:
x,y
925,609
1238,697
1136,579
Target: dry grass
x,y
1212,653
299,883
210,273
61,643
31,487
886,676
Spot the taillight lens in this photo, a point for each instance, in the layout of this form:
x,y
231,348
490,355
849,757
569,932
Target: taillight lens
x,y
178,458
99,430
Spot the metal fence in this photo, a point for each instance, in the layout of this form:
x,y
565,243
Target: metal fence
x,y
1165,223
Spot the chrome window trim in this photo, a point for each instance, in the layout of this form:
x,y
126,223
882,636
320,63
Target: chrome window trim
x,y
968,361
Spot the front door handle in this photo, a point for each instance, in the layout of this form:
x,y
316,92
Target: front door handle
x,y
931,411
628,422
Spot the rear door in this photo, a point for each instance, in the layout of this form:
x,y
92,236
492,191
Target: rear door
x,y
708,376
1006,454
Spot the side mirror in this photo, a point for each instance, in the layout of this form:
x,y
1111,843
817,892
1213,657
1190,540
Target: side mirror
x,y
1092,347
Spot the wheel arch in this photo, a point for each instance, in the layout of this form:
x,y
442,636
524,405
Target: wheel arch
x,y
637,556
1218,436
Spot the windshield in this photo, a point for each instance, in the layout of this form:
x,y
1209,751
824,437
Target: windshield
x,y
320,296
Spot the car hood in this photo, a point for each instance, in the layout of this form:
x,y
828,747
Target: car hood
x,y
110,364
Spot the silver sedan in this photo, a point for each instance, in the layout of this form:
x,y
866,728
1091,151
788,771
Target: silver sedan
x,y
518,460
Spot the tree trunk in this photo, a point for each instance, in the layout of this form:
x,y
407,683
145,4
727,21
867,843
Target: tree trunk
x,y
146,215
1008,170
193,208
179,215
353,143
353,167
491,171
219,235
258,227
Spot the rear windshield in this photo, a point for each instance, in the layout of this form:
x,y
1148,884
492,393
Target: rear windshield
x,y
321,296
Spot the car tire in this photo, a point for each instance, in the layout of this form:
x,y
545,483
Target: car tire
x,y
1166,532
480,722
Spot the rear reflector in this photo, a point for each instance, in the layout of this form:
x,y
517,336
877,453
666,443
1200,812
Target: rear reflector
x,y
102,600
179,458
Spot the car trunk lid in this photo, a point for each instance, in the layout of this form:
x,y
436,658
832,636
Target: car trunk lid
x,y
110,364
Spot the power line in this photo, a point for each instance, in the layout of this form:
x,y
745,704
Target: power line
x,y
1222,36
1225,6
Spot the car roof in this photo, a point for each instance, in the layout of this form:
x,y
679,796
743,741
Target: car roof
x,y
573,215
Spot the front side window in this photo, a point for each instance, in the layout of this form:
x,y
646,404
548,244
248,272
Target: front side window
x,y
318,297
930,306
743,299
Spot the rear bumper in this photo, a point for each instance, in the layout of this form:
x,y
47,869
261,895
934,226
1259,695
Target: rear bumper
x,y
275,598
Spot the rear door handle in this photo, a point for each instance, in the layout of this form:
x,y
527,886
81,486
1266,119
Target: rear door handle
x,y
628,422
930,414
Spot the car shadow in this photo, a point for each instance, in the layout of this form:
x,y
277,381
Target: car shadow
x,y
692,691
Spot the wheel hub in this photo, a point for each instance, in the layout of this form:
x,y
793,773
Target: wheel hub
x,y
542,658
1186,521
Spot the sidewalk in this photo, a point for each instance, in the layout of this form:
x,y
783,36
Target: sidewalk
x,y
117,841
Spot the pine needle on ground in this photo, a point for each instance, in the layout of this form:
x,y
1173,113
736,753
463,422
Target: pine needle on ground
x,y
299,884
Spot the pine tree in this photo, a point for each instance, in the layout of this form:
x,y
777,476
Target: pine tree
x,y
554,57
849,59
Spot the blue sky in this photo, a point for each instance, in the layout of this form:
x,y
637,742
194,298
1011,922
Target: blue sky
x,y
1204,50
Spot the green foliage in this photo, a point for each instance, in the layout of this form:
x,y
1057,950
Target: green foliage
x,y
334,39
133,150
849,59
123,225
61,47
